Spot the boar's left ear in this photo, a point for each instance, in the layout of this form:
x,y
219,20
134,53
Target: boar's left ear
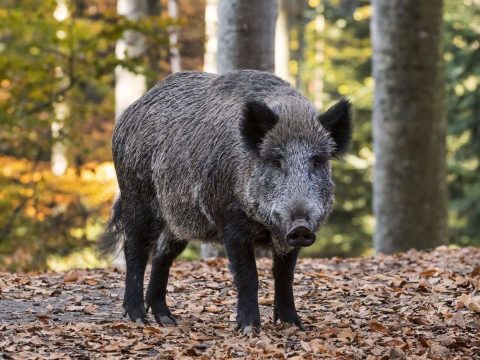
x,y
338,121
257,120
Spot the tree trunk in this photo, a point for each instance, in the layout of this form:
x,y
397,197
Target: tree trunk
x,y
129,86
246,40
61,109
211,24
175,63
319,58
282,42
410,197
246,35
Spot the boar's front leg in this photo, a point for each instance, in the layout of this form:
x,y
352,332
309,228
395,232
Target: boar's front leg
x,y
240,253
167,249
284,305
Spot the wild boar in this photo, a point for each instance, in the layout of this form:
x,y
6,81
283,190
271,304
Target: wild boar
x,y
241,159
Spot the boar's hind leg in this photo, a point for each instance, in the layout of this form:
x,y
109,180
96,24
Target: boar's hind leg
x,y
167,249
284,306
141,230
240,253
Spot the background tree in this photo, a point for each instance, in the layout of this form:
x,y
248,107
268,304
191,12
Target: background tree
x,y
409,125
244,42
130,85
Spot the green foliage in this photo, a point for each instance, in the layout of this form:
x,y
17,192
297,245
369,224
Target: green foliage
x,y
344,41
462,57
46,60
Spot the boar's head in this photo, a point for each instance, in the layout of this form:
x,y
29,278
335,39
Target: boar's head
x,y
289,187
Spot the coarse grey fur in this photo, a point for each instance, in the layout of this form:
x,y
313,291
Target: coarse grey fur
x,y
186,160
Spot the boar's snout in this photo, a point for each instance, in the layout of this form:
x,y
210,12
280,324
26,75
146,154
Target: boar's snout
x,y
300,234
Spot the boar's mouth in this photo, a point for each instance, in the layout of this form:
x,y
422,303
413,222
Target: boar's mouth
x,y
300,234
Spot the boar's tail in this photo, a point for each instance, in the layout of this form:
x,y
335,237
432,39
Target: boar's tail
x,y
114,234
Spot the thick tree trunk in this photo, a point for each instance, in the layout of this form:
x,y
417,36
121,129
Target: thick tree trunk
x,y
246,35
409,124
129,86
246,40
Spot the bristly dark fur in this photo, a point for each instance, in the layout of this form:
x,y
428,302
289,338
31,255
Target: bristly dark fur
x,y
239,159
114,233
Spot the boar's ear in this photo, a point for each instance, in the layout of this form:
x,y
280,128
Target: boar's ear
x,y
338,121
257,120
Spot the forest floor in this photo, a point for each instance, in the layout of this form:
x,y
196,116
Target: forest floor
x,y
411,305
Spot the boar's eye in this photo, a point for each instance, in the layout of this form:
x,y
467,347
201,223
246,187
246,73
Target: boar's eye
x,y
277,163
318,161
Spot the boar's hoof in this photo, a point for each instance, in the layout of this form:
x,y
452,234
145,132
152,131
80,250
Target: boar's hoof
x,y
165,319
248,329
136,314
288,317
162,314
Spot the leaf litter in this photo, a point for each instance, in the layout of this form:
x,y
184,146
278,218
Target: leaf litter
x,y
415,305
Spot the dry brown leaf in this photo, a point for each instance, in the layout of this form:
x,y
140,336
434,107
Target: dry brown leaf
x,y
72,276
376,326
90,309
265,301
429,273
151,330
475,272
142,346
91,281
43,318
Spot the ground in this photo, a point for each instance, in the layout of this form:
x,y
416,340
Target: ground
x,y
411,305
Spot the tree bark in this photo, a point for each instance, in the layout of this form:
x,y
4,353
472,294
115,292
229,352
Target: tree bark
x,y
246,35
61,109
282,42
211,24
246,40
129,86
409,125
175,60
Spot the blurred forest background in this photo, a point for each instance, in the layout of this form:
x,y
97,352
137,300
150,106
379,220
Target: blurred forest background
x,y
58,61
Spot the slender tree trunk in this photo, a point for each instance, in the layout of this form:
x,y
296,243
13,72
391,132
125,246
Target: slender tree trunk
x,y
246,35
175,61
299,19
409,125
282,42
61,109
319,58
211,23
129,86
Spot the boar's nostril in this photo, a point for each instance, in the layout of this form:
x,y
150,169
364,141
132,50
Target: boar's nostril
x,y
300,234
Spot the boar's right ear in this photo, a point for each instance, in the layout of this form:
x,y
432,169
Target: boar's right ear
x,y
338,121
257,120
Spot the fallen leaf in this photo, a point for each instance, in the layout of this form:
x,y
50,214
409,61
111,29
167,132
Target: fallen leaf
x,y
376,326
305,346
72,276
